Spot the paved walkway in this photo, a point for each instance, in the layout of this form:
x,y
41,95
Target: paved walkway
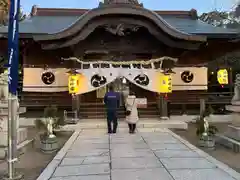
x,y
94,155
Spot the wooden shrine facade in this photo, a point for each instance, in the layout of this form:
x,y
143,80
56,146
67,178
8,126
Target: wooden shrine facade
x,y
114,31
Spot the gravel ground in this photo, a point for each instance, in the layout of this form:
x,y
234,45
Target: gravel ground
x,y
33,161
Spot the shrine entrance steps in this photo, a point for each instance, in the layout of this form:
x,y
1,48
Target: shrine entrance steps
x,y
143,123
98,111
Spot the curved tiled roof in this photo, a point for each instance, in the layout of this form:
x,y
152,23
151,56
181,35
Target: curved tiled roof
x,y
85,32
51,21
121,10
197,26
43,24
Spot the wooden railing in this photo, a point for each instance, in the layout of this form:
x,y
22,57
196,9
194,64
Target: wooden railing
x,y
42,99
194,97
177,99
189,102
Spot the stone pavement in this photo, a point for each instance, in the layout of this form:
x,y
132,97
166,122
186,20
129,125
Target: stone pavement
x,y
147,155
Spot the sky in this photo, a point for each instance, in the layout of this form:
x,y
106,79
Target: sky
x,y
200,5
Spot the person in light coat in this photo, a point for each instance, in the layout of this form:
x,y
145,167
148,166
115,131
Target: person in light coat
x,y
132,119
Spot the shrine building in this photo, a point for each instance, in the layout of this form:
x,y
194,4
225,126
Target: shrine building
x,y
109,44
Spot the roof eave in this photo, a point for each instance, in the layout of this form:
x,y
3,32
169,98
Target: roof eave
x,y
151,15
21,35
221,35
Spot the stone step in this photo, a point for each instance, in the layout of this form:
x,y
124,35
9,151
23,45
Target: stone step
x,y
119,112
21,148
146,123
228,142
100,112
103,116
233,107
71,120
103,105
22,142
233,132
21,136
120,109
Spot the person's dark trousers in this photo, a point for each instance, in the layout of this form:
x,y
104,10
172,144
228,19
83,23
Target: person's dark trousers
x,y
132,128
112,118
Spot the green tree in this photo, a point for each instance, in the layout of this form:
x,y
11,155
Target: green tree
x,y
221,19
4,10
4,7
226,19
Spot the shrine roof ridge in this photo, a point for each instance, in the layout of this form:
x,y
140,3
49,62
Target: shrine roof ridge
x,y
37,11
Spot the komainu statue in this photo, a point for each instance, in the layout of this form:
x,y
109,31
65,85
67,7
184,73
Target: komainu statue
x,y
236,96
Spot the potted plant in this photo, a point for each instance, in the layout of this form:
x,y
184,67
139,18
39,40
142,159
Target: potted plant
x,y
46,125
205,132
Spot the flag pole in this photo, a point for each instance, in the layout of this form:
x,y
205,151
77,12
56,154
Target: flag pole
x,y
13,63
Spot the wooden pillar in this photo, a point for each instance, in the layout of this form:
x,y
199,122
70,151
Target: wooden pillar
x,y
231,82
202,106
75,106
184,109
78,100
163,108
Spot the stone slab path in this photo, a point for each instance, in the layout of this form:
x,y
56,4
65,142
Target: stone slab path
x,y
143,156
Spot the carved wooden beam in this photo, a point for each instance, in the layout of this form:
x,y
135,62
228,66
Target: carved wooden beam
x,y
120,29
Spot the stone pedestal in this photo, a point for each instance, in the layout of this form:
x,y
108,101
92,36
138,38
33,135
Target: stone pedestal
x,y
21,132
234,129
235,107
231,138
233,132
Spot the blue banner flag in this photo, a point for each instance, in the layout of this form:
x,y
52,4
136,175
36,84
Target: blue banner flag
x,y
13,46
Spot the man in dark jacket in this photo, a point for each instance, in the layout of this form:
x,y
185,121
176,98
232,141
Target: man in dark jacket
x,y
112,100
